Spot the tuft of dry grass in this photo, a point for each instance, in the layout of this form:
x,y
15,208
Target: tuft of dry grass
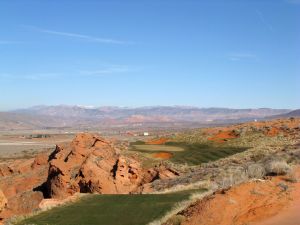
x,y
203,184
277,167
256,170
233,176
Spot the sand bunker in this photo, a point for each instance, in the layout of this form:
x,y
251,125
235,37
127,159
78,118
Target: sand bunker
x,y
162,155
160,141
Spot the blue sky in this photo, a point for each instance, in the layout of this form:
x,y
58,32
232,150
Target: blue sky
x,y
240,54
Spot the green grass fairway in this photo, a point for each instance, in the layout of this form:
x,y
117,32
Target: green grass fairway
x,y
110,210
192,154
196,154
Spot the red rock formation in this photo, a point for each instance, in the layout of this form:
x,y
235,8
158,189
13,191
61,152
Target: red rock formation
x,y
18,179
23,203
39,160
90,164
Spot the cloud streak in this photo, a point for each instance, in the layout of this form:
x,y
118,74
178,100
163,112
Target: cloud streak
x,y
83,37
241,56
293,1
115,69
263,20
42,76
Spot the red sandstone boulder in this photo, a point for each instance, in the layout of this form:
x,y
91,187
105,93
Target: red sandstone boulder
x,y
20,181
23,203
90,164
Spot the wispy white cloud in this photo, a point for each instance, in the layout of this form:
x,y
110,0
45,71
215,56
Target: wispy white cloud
x,y
114,69
78,36
241,56
263,20
108,70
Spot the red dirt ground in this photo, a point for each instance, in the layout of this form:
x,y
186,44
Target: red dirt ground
x,y
261,202
290,215
222,136
273,132
270,128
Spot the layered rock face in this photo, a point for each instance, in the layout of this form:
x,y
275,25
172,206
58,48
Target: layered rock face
x,y
90,164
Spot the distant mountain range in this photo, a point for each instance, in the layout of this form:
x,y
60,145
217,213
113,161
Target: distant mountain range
x,y
294,113
64,116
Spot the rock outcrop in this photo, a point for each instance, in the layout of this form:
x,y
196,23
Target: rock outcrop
x,y
20,181
91,164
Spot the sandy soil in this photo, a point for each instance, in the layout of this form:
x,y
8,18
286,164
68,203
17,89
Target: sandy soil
x,y
19,145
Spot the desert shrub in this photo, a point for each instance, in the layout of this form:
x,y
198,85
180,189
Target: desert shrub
x,y
233,176
256,170
277,167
